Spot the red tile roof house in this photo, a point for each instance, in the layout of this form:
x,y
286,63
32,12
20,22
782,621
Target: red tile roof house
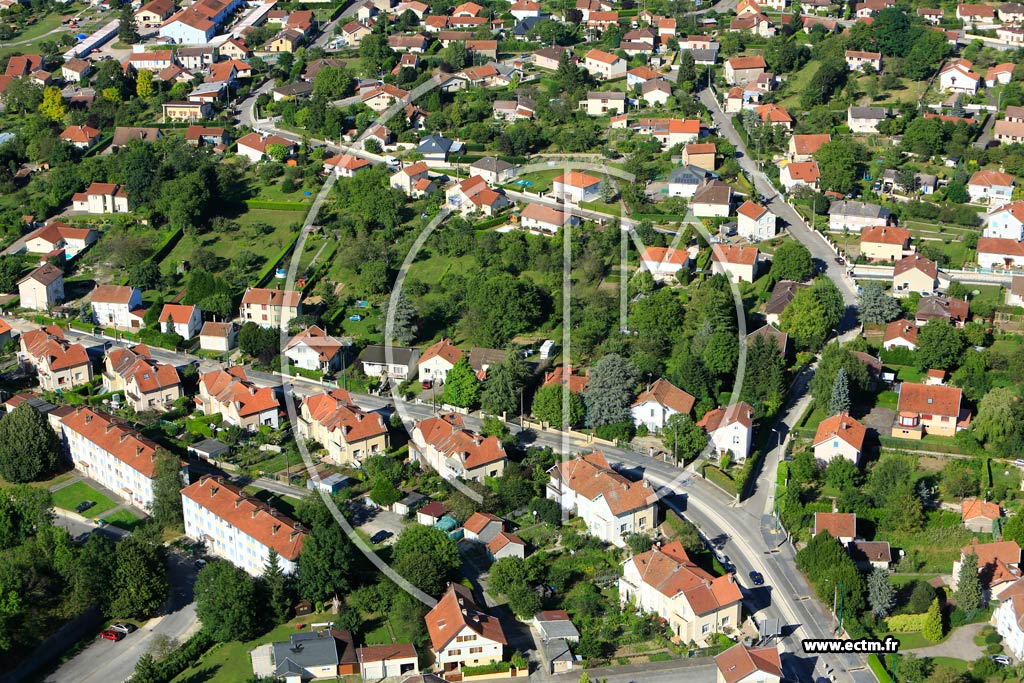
x,y
437,360
377,662
271,307
314,349
545,219
611,506
730,429
461,634
238,527
59,237
842,526
117,306
444,444
664,263
658,402
914,273
576,187
57,362
839,436
345,165
739,263
562,376
741,70
799,173
694,604
254,146
483,526
900,334
346,431
147,384
506,544
744,664
184,321
929,409
230,394
979,515
82,137
474,194
998,565
111,453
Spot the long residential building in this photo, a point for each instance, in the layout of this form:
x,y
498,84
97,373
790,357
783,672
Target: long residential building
x,y
111,453
611,505
238,527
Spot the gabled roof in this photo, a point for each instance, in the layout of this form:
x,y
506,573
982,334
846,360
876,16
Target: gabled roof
x,y
443,349
48,344
916,262
809,144
806,171
752,210
272,297
602,56
176,312
741,413
336,411
740,661
232,386
577,179
478,521
843,427
114,437
738,254
543,214
666,394
929,399
454,613
989,178
884,234
901,329
670,571
713,192
45,274
590,476
870,551
563,376
756,62
112,294
80,134
447,434
973,508
837,524
326,346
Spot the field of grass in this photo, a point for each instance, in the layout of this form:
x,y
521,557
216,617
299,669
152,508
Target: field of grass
x,y
542,180
69,497
125,519
37,32
250,236
797,83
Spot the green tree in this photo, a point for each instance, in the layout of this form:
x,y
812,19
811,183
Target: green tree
x,y
840,164
968,594
875,306
840,402
505,384
277,588
404,315
881,594
144,84
547,407
11,268
456,55
427,557
1013,529
933,629
764,384
127,31
52,106
792,261
683,438
384,493
609,393
940,346
324,565
507,575
139,584
500,306
226,602
259,342
167,486
375,55
29,448
841,474
833,359
813,314
997,412
461,386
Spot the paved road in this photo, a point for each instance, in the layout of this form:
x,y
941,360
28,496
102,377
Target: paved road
x,y
701,670
811,239
105,661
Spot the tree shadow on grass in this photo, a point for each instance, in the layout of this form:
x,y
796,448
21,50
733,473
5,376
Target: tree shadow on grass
x,y
203,675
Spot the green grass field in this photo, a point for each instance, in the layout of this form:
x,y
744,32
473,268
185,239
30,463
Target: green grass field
x,y
69,497
124,519
249,236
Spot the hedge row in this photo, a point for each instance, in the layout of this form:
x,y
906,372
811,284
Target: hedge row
x,y
276,206
906,623
182,658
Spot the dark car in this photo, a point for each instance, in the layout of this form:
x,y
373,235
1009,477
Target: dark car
x,y
756,577
124,628
111,634
381,536
83,506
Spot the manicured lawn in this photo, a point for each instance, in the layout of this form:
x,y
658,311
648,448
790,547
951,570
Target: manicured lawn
x,y
69,497
542,180
905,373
125,519
887,399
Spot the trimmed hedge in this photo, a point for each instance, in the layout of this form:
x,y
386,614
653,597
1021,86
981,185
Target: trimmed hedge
x,y
899,356
906,623
877,668
276,206
182,658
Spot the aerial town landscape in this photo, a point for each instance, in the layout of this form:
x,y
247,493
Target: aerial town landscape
x,y
592,341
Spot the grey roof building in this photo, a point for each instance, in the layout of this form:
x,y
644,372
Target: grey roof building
x,y
438,147
861,209
867,113
306,655
687,174
211,449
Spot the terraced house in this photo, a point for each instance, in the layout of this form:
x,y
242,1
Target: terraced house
x,y
444,443
611,505
666,582
346,431
147,384
230,394
57,362
238,527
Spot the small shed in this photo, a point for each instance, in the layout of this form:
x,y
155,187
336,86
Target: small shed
x,y
209,449
405,506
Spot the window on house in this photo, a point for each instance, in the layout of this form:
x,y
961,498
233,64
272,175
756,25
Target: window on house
x,y
706,628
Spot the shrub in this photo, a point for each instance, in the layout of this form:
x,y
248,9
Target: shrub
x,y
994,649
992,638
905,623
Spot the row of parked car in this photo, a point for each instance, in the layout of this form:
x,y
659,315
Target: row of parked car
x,y
117,631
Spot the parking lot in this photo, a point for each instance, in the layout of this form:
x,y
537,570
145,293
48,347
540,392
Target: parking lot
x,y
372,520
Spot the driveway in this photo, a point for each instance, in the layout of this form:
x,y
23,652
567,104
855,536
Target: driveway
x,y
108,662
370,519
959,645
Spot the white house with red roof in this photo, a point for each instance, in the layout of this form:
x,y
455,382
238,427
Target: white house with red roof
x,y
57,363
461,634
254,146
694,604
885,243
739,262
604,65
443,443
900,334
741,70
755,222
1000,74
929,409
147,384
1009,618
82,137
185,321
474,194
995,252
994,187
959,77
797,173
839,436
111,453
414,180
998,565
545,219
238,527
979,515
841,526
41,289
347,432
576,187
230,394
611,505
101,198
54,237
314,349
664,263
117,306
744,664
437,360
658,402
1006,222
270,307
730,429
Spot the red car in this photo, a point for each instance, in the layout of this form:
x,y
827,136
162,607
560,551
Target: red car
x,y
112,635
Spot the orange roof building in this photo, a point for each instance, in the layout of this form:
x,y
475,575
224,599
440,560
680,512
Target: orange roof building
x,y
346,431
230,394
842,526
665,581
238,527
437,360
978,515
147,384
742,662
839,436
658,402
998,565
59,364
611,505
564,376
444,443
111,453
461,634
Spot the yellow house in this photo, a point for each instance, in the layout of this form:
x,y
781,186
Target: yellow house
x,y
287,40
186,111
347,432
914,273
884,243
